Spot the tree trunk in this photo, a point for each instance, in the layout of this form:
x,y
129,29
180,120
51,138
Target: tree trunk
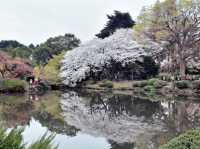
x,y
182,68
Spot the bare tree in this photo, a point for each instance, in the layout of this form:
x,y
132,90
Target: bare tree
x,y
183,34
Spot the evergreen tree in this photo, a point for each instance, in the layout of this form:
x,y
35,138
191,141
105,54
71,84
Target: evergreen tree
x,y
116,21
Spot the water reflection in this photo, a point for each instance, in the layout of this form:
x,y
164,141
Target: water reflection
x,y
129,121
100,120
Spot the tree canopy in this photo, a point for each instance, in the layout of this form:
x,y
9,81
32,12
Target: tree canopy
x,y
62,43
116,21
9,44
175,26
52,69
54,46
91,59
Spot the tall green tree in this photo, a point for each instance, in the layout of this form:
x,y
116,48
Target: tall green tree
x,y
41,55
53,46
116,21
62,43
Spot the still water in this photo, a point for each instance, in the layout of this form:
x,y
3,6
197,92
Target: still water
x,y
99,120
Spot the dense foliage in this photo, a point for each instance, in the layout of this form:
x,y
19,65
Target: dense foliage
x,y
54,46
92,58
15,49
62,43
116,21
21,52
10,44
12,86
14,67
41,55
189,140
174,25
14,140
51,70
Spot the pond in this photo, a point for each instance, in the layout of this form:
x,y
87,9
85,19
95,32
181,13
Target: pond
x,y
100,120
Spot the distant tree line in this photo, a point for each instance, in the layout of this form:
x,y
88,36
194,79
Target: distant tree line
x,y
40,54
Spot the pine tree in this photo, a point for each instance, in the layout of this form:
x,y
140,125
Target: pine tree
x,y
116,21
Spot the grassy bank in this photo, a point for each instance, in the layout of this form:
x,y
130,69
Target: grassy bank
x,y
12,86
152,88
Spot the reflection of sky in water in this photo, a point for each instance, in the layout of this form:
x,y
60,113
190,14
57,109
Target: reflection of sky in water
x,y
105,120
35,130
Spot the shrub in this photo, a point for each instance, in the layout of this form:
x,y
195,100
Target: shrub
x,y
182,84
42,87
159,84
14,140
188,140
151,81
139,83
13,85
196,85
107,84
150,90
14,67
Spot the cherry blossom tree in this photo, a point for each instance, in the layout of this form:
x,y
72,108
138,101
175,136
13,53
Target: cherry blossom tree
x,y
94,56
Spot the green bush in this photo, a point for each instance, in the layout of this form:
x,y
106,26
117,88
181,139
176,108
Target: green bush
x,y
159,84
182,84
14,140
12,85
154,83
151,82
42,87
139,83
188,140
150,90
106,83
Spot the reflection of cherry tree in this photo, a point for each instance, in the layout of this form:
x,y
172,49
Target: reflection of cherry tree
x,y
128,121
115,145
116,117
117,105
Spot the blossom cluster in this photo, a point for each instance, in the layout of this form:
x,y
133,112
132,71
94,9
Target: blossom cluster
x,y
93,56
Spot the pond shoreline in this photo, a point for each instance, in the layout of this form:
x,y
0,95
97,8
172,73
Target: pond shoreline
x,y
151,88
148,88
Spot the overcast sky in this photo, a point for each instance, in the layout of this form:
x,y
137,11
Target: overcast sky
x,y
33,21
